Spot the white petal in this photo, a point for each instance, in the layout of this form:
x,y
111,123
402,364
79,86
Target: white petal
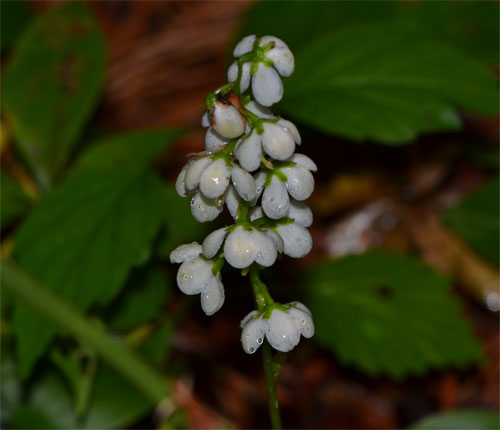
x,y
213,242
193,275
290,128
300,182
185,252
283,332
204,209
214,141
255,213
244,46
180,183
275,200
247,318
194,172
260,180
276,238
267,87
297,240
232,201
278,43
253,334
249,152
277,142
303,318
283,60
301,213
205,119
232,75
266,256
212,297
304,161
228,121
244,183
259,110
215,179
240,248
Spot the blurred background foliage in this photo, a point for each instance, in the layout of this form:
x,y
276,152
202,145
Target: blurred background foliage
x,y
398,104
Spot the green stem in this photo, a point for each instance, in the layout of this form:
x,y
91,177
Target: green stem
x,y
61,313
271,381
271,372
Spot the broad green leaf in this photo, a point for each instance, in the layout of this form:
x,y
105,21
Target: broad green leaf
x,y
13,201
52,83
142,300
385,84
477,220
14,15
472,26
82,241
138,148
389,314
466,419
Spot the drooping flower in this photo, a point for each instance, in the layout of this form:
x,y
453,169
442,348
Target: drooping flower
x,y
195,277
282,329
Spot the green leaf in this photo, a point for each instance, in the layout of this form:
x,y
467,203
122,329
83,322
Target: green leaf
x,y
386,84
389,314
465,419
13,201
14,15
142,300
82,241
477,220
52,83
471,26
137,148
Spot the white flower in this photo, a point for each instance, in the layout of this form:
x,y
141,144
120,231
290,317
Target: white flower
x,y
204,209
214,141
227,120
296,239
267,87
282,329
244,247
195,277
212,178
277,140
300,213
275,200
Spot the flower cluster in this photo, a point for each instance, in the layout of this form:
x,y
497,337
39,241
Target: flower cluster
x,y
249,165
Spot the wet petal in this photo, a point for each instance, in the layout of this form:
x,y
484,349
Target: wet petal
x,y
213,242
260,180
300,213
267,253
214,141
215,179
267,87
249,152
212,296
244,183
304,161
255,213
275,200
193,275
297,240
185,252
290,128
194,172
277,142
300,182
253,334
278,241
232,75
240,248
259,110
180,183
204,209
228,121
303,318
283,332
205,119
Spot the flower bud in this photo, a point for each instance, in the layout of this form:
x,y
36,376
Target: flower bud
x,y
227,120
